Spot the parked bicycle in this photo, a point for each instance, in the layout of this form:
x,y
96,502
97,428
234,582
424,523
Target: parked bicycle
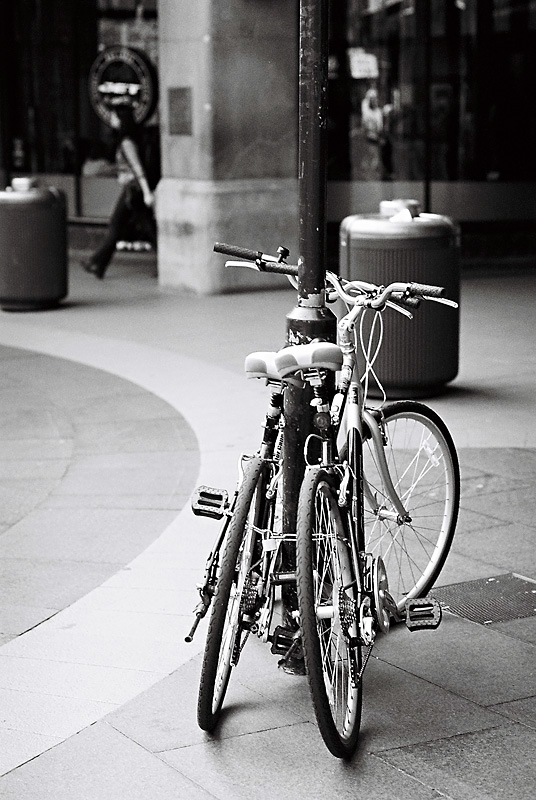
x,y
377,511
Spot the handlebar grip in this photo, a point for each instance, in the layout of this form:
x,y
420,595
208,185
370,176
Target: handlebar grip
x,y
425,290
236,252
280,269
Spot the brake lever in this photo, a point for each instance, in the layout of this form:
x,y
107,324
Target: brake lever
x,y
398,308
246,264
444,300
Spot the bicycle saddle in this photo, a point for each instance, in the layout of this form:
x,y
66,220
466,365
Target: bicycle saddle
x,y
315,355
262,365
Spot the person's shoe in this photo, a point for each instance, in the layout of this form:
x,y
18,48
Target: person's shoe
x,y
293,666
93,269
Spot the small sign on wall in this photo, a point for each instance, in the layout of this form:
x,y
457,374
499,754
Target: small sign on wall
x,y
119,76
180,111
362,64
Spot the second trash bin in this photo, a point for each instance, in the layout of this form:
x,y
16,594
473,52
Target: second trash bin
x,y
33,247
418,356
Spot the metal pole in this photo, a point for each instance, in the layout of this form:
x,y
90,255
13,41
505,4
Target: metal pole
x,y
427,110
309,319
312,151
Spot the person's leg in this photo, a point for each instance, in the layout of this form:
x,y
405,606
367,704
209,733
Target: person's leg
x,y
144,219
102,257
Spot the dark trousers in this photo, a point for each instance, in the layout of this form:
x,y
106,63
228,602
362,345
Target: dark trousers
x,y
129,209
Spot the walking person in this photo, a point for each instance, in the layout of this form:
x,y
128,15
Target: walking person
x,y
372,126
136,198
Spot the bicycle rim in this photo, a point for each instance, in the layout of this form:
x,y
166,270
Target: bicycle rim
x,y
328,605
423,466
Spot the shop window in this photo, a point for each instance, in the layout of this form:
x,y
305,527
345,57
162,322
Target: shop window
x,y
433,90
130,24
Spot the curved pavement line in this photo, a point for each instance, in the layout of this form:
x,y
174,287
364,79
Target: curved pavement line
x,y
127,634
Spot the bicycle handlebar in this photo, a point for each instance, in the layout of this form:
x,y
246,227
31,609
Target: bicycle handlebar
x,y
425,290
279,268
407,295
237,252
256,259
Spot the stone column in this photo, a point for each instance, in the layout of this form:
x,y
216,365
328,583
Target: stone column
x,y
228,115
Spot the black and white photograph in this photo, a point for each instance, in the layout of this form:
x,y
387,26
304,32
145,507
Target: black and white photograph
x,y
267,398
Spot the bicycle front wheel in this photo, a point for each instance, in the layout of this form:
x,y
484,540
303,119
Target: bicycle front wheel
x,y
328,605
423,466
234,602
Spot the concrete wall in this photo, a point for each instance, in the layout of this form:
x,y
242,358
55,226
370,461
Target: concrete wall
x,y
228,111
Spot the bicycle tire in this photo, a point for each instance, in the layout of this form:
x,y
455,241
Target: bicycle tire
x,y
225,626
333,656
423,466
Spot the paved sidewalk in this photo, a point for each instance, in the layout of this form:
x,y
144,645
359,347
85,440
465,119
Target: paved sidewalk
x,y
448,714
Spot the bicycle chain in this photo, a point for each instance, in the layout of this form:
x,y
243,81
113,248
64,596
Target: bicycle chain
x,y
348,616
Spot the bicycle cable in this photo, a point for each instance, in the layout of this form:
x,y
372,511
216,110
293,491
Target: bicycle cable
x,y
366,350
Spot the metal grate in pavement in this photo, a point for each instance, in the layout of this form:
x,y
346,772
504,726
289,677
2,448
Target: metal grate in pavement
x,y
498,599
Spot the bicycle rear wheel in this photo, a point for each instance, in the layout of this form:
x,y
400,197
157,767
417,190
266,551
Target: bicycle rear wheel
x,y
236,598
328,604
423,467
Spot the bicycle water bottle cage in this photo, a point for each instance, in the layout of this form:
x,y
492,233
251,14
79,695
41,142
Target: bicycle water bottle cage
x,y
303,357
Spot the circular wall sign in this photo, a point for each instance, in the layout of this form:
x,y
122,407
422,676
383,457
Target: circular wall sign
x,y
123,76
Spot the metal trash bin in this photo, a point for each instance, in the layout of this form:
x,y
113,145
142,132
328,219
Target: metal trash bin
x,y
418,356
33,247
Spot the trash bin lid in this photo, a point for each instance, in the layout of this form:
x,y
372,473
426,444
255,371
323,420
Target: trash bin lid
x,y
31,196
398,226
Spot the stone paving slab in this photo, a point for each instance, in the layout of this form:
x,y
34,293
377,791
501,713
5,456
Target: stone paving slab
x,y
91,464
523,629
18,747
291,763
99,764
507,547
511,463
399,708
65,430
92,535
514,505
471,660
523,711
496,763
55,584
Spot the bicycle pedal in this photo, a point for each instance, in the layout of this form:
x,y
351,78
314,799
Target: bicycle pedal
x,y
423,613
282,640
209,502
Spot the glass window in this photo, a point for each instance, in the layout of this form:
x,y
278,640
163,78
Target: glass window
x,y
49,124
124,23
43,103
433,90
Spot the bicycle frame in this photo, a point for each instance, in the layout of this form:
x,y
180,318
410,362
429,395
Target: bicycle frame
x,y
348,411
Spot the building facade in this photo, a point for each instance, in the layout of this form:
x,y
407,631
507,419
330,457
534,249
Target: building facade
x,y
428,99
